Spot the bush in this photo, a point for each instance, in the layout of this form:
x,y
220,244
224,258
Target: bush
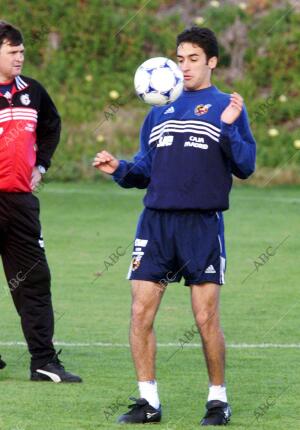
x,y
81,51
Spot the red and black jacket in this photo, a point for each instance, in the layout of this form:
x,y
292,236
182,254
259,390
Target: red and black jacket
x,y
29,133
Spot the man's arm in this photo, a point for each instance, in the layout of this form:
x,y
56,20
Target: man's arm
x,y
129,174
48,130
48,134
236,139
126,174
136,173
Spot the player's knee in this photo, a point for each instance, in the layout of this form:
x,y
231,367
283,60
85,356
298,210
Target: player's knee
x,y
138,311
139,316
207,319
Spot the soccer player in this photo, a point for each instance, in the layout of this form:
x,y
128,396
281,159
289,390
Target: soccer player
x,y
29,134
189,152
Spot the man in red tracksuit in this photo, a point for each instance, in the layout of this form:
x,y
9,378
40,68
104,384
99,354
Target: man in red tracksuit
x,y
29,134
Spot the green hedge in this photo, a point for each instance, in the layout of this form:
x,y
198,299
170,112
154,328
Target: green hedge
x,y
100,45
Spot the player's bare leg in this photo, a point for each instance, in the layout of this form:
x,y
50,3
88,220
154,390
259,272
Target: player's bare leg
x,y
146,298
205,305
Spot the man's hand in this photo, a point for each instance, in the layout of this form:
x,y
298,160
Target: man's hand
x,y
106,162
233,110
36,178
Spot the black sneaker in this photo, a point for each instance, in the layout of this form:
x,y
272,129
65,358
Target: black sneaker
x,y
54,371
2,363
140,413
217,414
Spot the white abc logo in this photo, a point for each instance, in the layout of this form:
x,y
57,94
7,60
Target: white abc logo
x,y
25,100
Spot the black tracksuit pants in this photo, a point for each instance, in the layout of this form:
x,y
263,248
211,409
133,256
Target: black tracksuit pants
x,y
27,272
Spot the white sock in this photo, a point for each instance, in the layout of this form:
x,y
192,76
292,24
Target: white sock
x,y
148,391
217,392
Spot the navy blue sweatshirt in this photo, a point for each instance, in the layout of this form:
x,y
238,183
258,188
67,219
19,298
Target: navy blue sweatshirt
x,y
188,155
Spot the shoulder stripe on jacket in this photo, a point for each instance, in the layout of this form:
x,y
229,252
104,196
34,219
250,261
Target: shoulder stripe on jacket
x,y
20,83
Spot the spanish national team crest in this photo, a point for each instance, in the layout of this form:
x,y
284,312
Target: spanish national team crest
x,y
201,109
25,100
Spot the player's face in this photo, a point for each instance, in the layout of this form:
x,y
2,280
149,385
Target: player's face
x,y
11,61
194,66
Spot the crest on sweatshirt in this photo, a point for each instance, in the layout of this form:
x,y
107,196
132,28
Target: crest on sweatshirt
x,y
201,109
25,100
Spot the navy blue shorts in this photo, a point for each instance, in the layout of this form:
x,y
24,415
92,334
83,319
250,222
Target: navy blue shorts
x,y
170,245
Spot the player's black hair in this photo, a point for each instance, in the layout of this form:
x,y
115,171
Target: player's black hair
x,y
10,33
201,36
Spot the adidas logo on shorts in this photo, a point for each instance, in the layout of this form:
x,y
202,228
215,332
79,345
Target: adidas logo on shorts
x,y
210,269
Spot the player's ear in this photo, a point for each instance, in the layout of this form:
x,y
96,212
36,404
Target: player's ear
x,y
212,62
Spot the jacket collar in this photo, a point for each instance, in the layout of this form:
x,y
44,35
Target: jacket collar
x,y
20,83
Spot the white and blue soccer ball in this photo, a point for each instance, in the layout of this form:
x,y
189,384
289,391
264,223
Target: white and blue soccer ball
x,y
158,81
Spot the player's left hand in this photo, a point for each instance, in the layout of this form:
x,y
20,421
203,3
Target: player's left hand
x,y
36,178
233,110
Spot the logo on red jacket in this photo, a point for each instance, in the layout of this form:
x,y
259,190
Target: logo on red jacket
x,y
25,100
201,109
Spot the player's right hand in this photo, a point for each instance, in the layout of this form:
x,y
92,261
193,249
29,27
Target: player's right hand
x,y
106,162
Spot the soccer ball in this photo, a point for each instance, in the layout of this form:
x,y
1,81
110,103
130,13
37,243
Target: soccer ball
x,y
158,81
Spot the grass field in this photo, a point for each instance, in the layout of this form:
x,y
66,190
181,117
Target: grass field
x,y
83,226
